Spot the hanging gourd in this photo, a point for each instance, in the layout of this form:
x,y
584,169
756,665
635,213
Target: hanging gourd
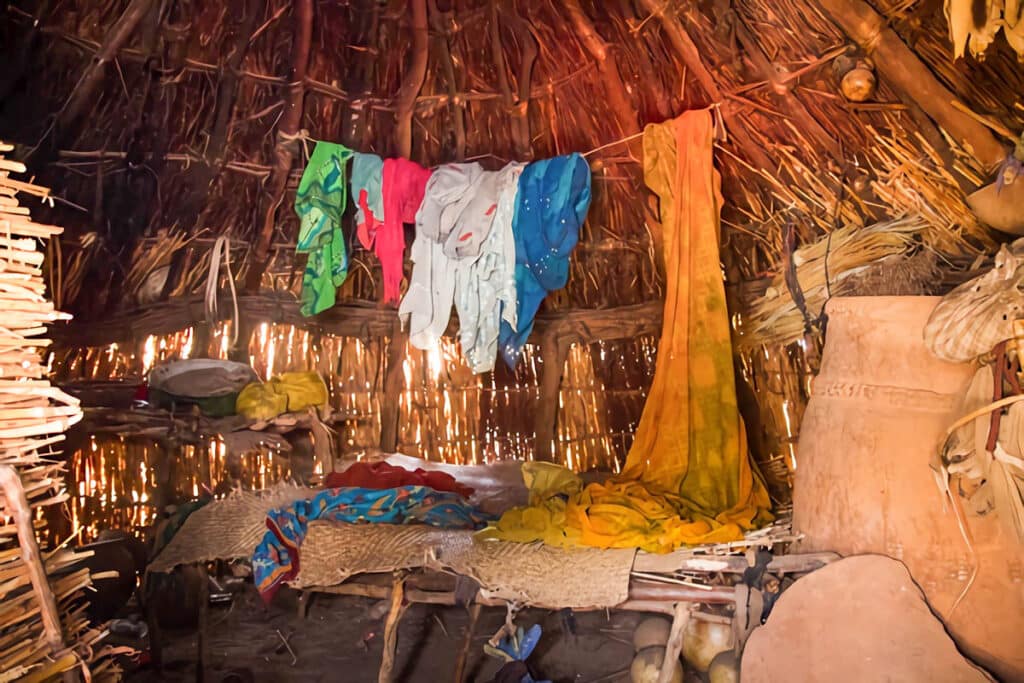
x,y
856,76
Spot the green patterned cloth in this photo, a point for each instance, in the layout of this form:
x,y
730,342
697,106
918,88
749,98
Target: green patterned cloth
x,y
320,203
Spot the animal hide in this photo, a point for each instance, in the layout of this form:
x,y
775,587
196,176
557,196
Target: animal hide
x,y
977,315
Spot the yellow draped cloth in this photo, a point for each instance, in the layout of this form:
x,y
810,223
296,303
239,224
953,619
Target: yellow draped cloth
x,y
688,478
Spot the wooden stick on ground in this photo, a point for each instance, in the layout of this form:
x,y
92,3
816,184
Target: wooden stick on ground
x,y
680,618
467,642
387,664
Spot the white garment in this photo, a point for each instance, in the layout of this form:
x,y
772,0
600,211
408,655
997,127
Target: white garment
x,y
427,305
485,285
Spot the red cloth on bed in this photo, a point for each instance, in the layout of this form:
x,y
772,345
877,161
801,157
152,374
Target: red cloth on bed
x,y
381,475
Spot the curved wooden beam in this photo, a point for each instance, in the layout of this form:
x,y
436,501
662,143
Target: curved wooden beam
x,y
345,320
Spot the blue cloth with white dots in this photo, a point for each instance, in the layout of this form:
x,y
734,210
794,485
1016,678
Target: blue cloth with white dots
x,y
551,204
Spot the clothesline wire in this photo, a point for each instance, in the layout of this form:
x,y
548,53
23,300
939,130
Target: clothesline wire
x,y
305,138
634,136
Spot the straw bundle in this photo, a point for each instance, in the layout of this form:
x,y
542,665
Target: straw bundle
x,y
43,631
843,253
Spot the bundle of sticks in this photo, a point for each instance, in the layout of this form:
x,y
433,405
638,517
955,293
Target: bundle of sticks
x,y
43,629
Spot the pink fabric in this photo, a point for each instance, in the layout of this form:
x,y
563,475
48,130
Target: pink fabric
x,y
367,229
402,190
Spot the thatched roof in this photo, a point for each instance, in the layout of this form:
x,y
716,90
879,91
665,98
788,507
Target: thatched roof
x,y
160,123
187,104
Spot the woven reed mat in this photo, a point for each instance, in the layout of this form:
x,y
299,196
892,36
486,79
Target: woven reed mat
x,y
530,573
226,529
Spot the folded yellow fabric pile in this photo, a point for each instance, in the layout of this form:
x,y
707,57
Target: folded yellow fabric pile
x,y
688,477
286,393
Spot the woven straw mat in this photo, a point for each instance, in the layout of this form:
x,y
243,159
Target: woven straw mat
x,y
226,529
531,573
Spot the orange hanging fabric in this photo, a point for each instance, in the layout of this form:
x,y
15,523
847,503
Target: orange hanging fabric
x,y
691,439
688,477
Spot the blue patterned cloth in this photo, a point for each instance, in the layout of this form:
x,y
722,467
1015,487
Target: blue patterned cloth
x,y
276,559
552,202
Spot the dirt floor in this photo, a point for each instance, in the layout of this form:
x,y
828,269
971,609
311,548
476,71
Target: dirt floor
x,y
340,640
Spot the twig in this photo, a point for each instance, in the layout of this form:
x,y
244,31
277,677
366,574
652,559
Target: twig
x,y
287,645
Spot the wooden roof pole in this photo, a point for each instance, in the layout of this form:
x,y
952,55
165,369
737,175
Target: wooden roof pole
x,y
690,55
84,93
287,132
554,350
441,22
607,66
390,403
901,67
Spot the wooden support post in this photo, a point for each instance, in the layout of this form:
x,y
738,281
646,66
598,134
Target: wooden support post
x,y
387,665
553,354
410,88
442,21
467,643
156,641
240,351
391,401
287,130
905,72
303,603
680,618
17,506
413,81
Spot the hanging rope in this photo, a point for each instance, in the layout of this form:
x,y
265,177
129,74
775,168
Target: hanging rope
x,y
221,246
